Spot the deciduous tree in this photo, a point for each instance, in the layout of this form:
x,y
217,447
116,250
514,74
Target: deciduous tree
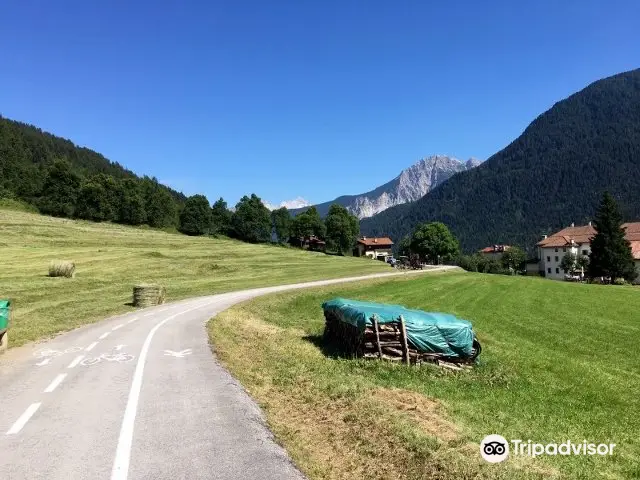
x,y
251,221
342,229
220,217
281,221
195,218
308,223
513,259
60,190
434,242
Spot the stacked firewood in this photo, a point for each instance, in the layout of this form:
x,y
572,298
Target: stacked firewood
x,y
387,341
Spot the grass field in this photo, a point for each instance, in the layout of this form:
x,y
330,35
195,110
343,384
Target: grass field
x,y
110,259
560,361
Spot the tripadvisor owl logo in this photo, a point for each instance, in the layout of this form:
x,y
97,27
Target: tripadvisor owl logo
x,y
494,448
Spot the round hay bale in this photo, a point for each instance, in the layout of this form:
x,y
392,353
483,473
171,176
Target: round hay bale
x,y
147,295
62,268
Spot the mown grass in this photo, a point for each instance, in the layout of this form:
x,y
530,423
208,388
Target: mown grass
x,y
110,259
560,361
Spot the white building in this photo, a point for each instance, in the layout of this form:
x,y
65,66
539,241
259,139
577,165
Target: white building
x,y
577,240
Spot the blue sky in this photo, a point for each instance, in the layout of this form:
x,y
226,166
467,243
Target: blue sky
x,y
300,98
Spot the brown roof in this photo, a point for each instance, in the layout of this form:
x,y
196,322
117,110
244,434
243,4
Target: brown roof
x,y
632,231
376,241
584,234
495,249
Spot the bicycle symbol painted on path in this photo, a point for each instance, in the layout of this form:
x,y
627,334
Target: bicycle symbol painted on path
x,y
115,357
51,353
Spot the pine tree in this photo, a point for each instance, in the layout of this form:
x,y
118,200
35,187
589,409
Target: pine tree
x,y
610,251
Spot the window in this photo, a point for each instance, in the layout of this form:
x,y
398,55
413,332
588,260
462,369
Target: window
x,y
564,249
548,260
557,270
549,270
556,250
584,252
556,258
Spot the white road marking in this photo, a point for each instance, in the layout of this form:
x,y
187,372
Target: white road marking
x,y
132,320
24,418
120,469
44,362
104,335
181,354
90,347
56,381
148,314
117,327
76,361
120,347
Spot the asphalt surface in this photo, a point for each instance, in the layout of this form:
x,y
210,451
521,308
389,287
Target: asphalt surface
x,y
137,396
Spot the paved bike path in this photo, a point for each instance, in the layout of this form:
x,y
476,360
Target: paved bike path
x,y
137,396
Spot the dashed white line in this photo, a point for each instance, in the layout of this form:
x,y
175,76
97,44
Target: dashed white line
x,y
24,418
90,347
148,314
56,381
117,327
76,361
104,335
132,320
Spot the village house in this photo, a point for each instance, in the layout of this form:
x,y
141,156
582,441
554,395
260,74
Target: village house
x,y
312,243
378,248
577,240
494,252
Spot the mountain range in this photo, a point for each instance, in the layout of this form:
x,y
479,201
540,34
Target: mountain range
x,y
552,175
410,185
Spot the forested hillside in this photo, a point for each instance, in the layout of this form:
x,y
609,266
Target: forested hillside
x,y
62,179
550,176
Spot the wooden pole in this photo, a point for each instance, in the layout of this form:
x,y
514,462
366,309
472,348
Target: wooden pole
x,y
375,328
405,346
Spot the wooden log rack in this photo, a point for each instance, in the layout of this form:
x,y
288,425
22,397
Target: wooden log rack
x,y
384,341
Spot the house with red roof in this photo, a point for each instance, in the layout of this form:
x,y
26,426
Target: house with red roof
x,y
577,240
378,248
494,252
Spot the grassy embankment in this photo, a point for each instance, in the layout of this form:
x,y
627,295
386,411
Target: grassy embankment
x,y
110,259
560,361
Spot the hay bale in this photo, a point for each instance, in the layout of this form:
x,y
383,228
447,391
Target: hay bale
x,y
147,295
62,268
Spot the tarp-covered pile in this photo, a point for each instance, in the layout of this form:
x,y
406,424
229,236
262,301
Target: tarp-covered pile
x,y
4,314
350,323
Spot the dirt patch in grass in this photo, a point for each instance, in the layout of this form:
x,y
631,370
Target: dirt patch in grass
x,y
425,412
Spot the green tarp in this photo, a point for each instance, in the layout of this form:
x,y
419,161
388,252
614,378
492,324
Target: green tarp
x,y
4,314
431,332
